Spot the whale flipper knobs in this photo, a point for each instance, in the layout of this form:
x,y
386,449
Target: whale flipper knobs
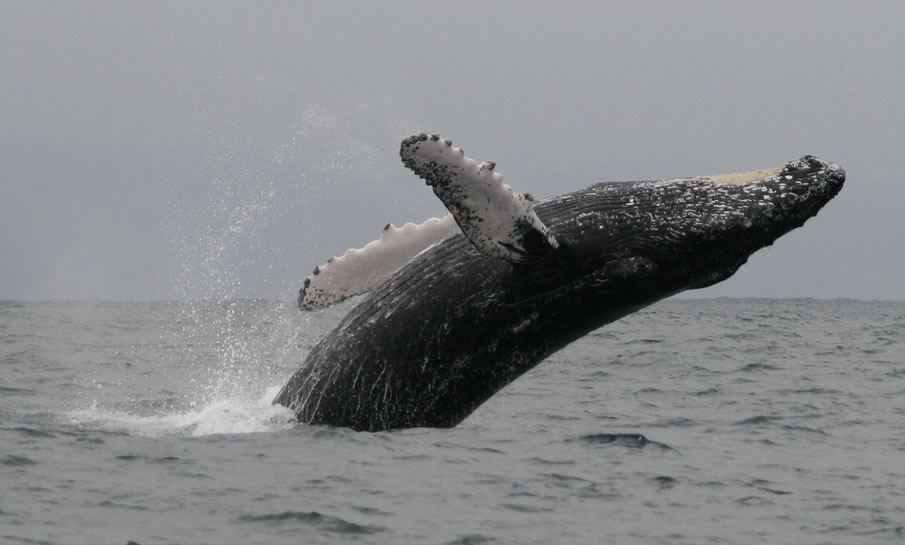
x,y
498,221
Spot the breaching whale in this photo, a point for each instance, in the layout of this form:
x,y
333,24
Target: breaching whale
x,y
461,306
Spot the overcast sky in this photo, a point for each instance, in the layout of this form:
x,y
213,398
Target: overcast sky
x,y
159,150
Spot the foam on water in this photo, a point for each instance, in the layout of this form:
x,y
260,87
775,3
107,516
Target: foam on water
x,y
223,416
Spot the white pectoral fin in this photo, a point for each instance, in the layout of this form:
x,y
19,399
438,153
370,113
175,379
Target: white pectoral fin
x,y
498,221
359,270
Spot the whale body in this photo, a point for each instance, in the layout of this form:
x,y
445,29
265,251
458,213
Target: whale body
x,y
508,281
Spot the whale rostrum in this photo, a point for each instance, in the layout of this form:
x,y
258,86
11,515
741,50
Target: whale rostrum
x,y
460,306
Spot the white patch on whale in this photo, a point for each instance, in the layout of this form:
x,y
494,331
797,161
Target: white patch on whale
x,y
359,270
497,220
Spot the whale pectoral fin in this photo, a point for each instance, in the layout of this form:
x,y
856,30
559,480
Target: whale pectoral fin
x,y
497,220
359,270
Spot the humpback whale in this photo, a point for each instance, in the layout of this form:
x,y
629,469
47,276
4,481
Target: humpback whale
x,y
459,307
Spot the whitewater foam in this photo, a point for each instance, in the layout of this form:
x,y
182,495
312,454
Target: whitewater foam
x,y
230,415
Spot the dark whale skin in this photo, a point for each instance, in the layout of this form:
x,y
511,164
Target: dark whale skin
x,y
454,326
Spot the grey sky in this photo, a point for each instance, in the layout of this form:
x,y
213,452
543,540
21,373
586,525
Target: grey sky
x,y
160,150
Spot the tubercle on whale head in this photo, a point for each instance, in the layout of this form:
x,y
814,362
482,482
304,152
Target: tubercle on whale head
x,y
772,206
785,198
766,207
808,174
694,232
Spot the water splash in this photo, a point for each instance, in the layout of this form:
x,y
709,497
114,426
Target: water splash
x,y
229,415
235,348
224,350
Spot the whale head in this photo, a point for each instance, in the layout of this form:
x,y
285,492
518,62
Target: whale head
x,y
671,235
752,212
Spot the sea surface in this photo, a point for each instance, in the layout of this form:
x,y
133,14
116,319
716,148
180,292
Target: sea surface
x,y
726,421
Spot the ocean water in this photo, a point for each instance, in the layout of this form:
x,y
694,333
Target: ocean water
x,y
729,421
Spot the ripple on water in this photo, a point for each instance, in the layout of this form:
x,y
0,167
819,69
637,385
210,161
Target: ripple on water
x,y
631,440
14,460
760,420
472,539
326,523
664,482
9,391
525,508
32,432
626,440
757,366
151,459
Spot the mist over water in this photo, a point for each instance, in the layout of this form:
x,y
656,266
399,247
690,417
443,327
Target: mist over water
x,y
734,421
248,215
